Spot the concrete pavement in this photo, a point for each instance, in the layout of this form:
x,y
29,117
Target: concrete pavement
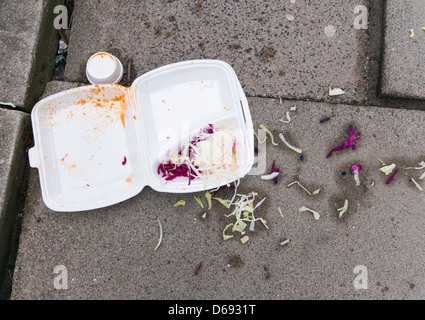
x,y
109,253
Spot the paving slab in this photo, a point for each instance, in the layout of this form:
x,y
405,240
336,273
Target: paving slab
x,y
14,137
288,49
28,45
109,253
403,73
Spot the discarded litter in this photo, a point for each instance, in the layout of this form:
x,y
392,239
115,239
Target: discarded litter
x,y
273,175
270,176
411,33
212,156
391,178
348,142
198,200
180,203
387,169
422,166
198,269
289,145
284,242
300,186
104,68
227,236
316,191
416,184
316,215
355,171
288,118
208,197
261,126
280,211
335,91
343,209
149,120
160,234
244,239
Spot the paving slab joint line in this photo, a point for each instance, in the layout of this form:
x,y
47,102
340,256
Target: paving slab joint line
x,y
16,108
385,101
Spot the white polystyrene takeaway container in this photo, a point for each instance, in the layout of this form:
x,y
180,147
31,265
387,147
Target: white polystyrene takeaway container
x,y
98,145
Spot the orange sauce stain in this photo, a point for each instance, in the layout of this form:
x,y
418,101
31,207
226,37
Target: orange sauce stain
x,y
63,159
130,178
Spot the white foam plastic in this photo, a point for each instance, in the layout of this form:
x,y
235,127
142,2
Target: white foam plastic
x,y
82,135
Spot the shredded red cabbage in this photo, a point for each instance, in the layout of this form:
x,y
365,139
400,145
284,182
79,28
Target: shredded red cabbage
x,y
170,170
274,169
391,177
347,143
198,269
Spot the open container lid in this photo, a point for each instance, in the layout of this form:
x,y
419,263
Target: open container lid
x,y
99,145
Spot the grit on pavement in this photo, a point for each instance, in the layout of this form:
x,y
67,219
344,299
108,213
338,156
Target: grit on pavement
x,y
286,54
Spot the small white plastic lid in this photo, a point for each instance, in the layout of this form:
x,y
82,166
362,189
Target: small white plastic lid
x,y
104,68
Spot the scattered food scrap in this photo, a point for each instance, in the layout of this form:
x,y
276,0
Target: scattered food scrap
x,y
198,200
411,33
261,126
416,184
244,239
227,236
343,209
180,203
208,197
422,166
347,143
288,145
391,178
288,118
211,157
316,191
300,186
198,269
284,242
355,171
280,211
244,214
335,91
273,175
160,234
387,169
316,215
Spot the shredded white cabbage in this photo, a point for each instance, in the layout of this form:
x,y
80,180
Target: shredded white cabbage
x,y
387,169
160,235
288,145
270,176
316,215
300,186
417,184
261,126
343,209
